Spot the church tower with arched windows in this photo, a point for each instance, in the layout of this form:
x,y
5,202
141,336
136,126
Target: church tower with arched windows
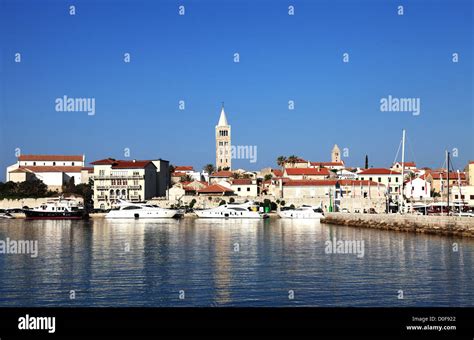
x,y
223,146
336,154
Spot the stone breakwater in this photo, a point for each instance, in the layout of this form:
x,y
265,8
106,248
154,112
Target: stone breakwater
x,y
441,225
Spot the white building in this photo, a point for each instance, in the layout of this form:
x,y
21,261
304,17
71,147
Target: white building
x,y
130,180
417,189
389,178
54,170
245,187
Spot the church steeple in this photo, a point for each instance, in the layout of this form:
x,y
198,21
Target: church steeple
x,y
222,118
223,146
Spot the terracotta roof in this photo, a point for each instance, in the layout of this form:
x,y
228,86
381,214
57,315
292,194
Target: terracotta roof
x,y
410,164
51,168
330,182
215,188
378,171
183,168
242,181
298,160
452,175
327,164
222,173
88,169
277,172
122,164
306,171
178,174
49,158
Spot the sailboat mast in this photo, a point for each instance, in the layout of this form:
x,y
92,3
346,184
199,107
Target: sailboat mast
x,y
403,170
447,162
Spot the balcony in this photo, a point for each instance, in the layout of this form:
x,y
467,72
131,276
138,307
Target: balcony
x,y
109,177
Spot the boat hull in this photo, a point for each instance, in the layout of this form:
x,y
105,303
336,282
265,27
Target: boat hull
x,y
225,215
48,215
120,214
300,215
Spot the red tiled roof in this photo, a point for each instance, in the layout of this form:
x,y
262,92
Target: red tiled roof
x,y
410,164
88,169
277,173
330,182
183,168
178,174
215,188
49,158
378,171
298,160
242,181
50,168
307,171
122,164
452,175
222,173
327,164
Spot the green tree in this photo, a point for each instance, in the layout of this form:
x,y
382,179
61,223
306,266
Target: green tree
x,y
281,161
268,177
292,159
366,161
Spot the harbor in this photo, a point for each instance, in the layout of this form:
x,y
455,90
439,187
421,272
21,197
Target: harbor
x,y
206,262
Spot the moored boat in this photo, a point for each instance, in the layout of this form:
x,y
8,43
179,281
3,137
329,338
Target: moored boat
x,y
128,210
231,210
57,209
303,212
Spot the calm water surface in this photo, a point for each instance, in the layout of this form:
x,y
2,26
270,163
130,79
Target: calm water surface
x,y
199,258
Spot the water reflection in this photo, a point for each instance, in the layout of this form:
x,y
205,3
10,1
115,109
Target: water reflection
x,y
229,263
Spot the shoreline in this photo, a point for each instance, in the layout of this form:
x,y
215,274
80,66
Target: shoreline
x,y
439,225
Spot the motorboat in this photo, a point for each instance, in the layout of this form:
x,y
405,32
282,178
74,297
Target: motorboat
x,y
5,215
231,210
129,210
59,208
303,212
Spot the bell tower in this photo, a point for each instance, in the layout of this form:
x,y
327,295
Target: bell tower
x,y
335,154
223,145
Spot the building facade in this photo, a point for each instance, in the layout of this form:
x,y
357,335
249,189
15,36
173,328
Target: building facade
x,y
53,170
134,181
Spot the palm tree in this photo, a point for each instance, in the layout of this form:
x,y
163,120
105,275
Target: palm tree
x,y
209,168
281,161
292,159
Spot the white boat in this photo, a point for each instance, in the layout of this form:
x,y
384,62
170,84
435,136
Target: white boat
x,y
59,208
5,215
127,210
231,210
303,212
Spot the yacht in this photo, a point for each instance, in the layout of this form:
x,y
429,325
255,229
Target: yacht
x,y
5,215
126,210
231,210
303,212
59,208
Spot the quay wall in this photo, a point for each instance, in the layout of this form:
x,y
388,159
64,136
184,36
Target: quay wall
x,y
28,202
442,225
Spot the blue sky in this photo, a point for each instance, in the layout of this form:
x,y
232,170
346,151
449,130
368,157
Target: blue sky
x,y
282,58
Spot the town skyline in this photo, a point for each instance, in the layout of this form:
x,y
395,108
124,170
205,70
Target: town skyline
x,y
281,59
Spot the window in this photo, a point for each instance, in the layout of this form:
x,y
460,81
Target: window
x,y
389,180
422,188
380,179
72,163
34,163
471,197
396,179
54,163
238,189
248,188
